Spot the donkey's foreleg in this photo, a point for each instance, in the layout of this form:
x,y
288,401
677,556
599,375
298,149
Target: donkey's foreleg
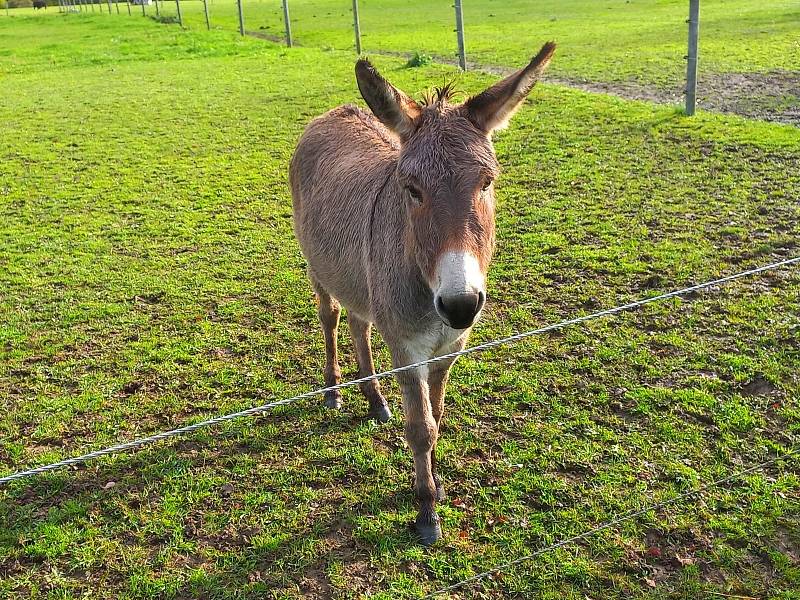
x,y
438,374
437,383
360,330
329,311
421,437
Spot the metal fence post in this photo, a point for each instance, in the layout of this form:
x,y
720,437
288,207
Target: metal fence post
x,y
109,6
128,2
144,11
180,15
357,27
691,57
158,10
116,5
462,53
241,16
205,10
286,22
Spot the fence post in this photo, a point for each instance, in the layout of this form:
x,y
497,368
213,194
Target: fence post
x,y
116,5
180,16
241,16
144,11
109,6
158,10
357,27
128,2
286,22
205,10
462,53
691,57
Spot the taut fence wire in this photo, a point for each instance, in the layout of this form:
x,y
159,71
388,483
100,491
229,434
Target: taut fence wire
x,y
137,443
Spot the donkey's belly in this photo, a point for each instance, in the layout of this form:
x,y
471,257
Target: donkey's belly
x,y
345,282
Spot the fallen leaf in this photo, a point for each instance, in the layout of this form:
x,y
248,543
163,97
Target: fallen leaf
x,y
653,552
109,485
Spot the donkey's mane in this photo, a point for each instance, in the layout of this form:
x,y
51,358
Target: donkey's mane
x,y
439,95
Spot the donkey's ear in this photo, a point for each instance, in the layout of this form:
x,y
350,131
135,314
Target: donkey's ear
x,y
493,108
394,109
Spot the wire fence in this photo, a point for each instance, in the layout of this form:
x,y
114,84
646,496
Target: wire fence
x,y
144,441
737,56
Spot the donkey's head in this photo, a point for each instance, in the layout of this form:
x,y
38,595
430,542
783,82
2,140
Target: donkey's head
x,y
446,167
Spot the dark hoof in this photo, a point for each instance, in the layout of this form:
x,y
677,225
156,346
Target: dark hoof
x,y
380,413
429,529
440,493
333,400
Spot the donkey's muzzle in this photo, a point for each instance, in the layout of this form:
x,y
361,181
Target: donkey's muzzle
x,y
459,310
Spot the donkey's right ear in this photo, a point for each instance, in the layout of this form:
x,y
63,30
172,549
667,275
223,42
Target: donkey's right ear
x,y
392,107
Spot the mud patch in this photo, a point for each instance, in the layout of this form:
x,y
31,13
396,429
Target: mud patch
x,y
772,96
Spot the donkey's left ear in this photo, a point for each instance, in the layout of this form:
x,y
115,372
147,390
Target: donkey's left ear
x,y
492,108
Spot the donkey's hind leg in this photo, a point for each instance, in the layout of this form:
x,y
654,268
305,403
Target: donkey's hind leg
x,y
329,311
360,330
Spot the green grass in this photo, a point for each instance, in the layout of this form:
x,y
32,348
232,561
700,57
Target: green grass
x,y
149,277
614,40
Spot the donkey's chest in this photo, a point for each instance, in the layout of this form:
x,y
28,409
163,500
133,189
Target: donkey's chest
x,y
435,340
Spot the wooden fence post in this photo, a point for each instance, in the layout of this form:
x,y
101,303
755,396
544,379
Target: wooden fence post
x,y
357,27
241,16
462,53
287,23
691,57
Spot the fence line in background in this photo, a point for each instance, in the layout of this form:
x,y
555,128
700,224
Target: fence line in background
x,y
357,27
241,16
612,523
690,90
691,56
137,443
287,23
462,52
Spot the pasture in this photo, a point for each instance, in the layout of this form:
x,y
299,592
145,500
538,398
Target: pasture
x,y
149,277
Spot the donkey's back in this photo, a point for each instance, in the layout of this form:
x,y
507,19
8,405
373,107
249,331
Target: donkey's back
x,y
337,171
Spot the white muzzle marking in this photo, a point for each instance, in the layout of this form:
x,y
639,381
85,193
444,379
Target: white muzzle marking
x,y
458,272
460,289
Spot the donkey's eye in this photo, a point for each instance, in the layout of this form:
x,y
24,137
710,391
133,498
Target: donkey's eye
x,y
414,194
486,184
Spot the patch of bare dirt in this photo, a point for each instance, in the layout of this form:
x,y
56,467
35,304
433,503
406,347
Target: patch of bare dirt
x,y
772,96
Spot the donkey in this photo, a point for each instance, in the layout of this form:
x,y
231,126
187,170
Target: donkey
x,y
394,213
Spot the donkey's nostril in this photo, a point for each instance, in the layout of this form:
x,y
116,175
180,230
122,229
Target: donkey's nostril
x,y
460,310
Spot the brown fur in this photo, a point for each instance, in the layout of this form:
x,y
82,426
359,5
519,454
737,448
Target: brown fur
x,y
374,249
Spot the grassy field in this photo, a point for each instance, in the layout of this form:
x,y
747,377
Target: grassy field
x,y
149,278
615,40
